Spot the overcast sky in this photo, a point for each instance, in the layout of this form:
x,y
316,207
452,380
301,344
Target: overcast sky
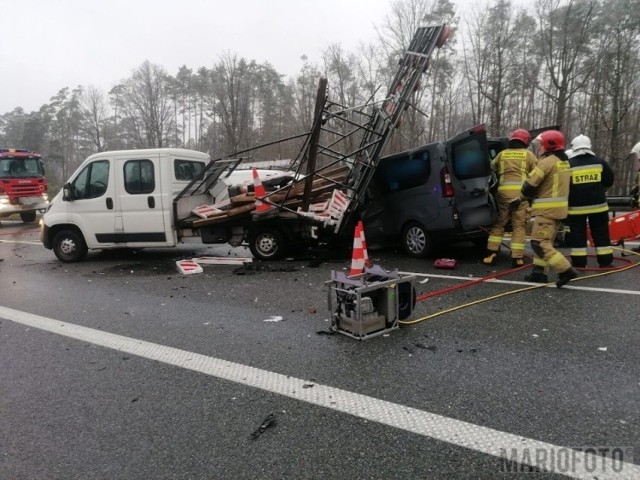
x,y
50,44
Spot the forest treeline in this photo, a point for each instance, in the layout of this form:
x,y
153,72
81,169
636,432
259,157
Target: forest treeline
x,y
572,63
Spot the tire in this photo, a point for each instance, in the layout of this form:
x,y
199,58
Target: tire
x,y
28,217
69,246
406,300
416,240
267,243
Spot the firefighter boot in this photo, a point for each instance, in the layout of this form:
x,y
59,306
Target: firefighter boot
x,y
565,277
490,258
517,262
537,275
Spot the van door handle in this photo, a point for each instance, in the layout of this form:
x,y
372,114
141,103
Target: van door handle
x,y
151,202
109,203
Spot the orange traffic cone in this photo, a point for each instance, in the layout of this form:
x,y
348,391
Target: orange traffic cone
x,y
365,254
358,254
261,207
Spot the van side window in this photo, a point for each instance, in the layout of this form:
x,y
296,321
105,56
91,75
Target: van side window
x,y
402,172
186,170
139,177
92,181
469,161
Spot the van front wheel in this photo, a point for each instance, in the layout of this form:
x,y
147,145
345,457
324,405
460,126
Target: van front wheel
x,y
416,241
69,246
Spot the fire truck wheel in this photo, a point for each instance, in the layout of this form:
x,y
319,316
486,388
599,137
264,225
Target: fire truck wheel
x,y
266,243
28,217
69,246
416,240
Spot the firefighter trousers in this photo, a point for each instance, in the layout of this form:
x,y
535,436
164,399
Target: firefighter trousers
x,y
577,238
542,236
518,234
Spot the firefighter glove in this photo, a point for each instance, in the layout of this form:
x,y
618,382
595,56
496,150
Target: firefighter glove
x,y
514,205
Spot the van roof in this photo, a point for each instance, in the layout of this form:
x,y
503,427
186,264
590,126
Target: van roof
x,y
176,152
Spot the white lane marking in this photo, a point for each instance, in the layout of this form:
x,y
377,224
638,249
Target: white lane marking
x,y
20,241
516,282
467,435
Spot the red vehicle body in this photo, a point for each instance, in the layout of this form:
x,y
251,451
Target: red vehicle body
x,y
23,188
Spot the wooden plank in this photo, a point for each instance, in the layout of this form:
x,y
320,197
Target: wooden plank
x,y
228,214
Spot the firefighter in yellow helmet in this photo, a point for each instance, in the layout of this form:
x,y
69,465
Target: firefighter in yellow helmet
x,y
512,166
547,187
591,176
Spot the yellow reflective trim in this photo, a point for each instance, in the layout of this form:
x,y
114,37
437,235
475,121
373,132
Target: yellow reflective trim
x,y
517,245
510,187
563,166
537,171
578,252
604,250
494,239
587,168
556,259
550,205
586,176
539,262
588,209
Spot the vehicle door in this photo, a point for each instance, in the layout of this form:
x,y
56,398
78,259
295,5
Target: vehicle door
x,y
141,217
470,172
92,205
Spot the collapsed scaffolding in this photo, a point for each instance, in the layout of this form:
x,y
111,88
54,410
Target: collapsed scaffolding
x,y
336,162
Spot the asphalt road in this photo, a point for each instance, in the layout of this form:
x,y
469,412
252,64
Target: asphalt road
x,y
555,366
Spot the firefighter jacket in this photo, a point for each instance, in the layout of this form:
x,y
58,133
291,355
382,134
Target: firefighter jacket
x,y
548,185
512,167
590,178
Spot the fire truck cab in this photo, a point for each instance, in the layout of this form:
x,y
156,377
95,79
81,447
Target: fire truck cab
x,y
23,187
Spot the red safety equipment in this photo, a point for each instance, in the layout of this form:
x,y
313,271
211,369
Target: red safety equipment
x,y
521,135
261,207
552,141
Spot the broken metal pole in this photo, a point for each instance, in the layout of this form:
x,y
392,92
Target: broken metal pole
x,y
313,143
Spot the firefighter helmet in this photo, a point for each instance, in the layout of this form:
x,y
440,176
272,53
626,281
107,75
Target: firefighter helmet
x,y
636,149
521,135
551,141
581,145
569,153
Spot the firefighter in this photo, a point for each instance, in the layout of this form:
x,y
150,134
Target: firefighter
x,y
512,166
591,176
547,188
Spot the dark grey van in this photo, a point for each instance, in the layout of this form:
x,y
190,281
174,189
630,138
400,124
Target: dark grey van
x,y
432,194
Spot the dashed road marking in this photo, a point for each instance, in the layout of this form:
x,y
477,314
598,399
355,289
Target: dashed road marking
x,y
463,434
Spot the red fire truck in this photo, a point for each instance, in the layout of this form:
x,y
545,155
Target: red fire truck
x,y
23,188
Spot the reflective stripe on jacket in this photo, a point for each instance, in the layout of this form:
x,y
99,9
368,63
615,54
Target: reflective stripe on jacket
x,y
551,177
590,178
512,166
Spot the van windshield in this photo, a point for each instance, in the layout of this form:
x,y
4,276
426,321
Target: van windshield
x,y
469,161
401,172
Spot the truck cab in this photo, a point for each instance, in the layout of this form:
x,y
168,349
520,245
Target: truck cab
x,y
23,187
119,199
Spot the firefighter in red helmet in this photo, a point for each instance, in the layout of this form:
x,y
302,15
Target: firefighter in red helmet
x,y
547,188
512,166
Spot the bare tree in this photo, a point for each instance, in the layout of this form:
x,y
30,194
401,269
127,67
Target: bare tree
x,y
93,106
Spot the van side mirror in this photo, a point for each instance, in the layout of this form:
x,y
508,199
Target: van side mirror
x,y
67,192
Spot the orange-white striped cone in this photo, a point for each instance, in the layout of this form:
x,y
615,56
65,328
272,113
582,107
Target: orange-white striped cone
x,y
358,254
365,254
260,192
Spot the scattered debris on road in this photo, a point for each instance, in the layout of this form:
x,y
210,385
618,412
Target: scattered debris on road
x,y
269,421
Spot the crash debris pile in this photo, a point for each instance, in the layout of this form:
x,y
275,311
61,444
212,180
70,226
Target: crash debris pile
x,y
241,206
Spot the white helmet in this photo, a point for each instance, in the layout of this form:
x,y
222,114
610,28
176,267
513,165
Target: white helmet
x,y
636,150
581,145
569,153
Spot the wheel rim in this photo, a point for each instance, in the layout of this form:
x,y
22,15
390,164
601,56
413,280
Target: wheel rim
x,y
267,244
68,247
416,240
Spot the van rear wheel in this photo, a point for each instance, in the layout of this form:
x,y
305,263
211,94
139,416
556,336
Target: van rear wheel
x,y
69,246
267,243
416,241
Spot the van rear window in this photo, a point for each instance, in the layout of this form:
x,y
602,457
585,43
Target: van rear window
x,y
400,173
186,169
469,161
